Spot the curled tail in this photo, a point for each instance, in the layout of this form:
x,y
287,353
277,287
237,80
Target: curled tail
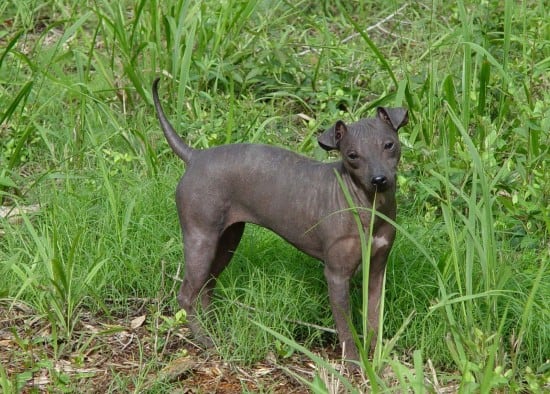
x,y
177,144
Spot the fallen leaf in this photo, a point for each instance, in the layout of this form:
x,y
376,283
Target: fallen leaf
x,y
137,322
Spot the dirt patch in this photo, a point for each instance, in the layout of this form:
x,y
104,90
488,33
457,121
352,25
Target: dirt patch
x,y
103,356
144,354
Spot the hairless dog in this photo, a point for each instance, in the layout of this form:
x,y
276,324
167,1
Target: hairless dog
x,y
296,197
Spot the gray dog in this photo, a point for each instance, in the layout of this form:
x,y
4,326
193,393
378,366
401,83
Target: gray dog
x,y
298,198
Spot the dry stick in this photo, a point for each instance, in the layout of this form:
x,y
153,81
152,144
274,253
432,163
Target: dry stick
x,y
377,25
435,382
303,323
389,33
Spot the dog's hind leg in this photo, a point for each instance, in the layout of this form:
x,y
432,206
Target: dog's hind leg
x,y
199,252
225,250
206,255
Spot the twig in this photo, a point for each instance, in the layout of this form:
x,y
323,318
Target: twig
x,y
303,323
389,33
377,25
125,345
435,383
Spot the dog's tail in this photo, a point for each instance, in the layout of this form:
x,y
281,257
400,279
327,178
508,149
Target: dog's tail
x,y
177,144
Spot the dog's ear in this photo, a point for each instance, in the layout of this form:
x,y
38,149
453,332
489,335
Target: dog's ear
x,y
395,117
330,138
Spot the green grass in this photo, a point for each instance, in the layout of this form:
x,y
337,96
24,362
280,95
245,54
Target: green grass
x,y
79,137
291,298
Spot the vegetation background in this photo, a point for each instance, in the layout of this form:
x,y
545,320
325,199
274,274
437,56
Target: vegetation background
x,y
90,251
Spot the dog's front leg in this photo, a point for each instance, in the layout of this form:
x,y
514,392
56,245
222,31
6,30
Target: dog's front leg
x,y
338,291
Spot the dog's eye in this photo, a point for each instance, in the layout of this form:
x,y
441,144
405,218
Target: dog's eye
x,y
353,155
389,146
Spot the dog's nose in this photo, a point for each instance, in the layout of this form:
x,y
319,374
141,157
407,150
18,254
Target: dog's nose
x,y
379,180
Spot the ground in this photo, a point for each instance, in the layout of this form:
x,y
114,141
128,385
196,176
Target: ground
x,y
102,354
114,355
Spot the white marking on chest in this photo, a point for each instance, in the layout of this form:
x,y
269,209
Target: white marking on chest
x,y
380,242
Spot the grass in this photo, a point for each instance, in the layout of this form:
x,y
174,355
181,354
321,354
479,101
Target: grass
x,y
78,137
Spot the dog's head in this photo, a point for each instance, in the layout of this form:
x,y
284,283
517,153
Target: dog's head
x,y
370,148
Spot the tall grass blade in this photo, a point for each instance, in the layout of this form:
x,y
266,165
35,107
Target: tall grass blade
x,y
364,35
26,275
366,248
410,379
490,379
484,79
450,94
467,29
21,98
418,382
9,47
185,66
68,33
230,113
486,215
367,366
388,347
489,58
509,9
317,359
528,308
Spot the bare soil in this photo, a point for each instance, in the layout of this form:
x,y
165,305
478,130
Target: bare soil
x,y
101,354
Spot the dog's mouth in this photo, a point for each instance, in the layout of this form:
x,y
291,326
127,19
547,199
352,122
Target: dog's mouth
x,y
381,188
